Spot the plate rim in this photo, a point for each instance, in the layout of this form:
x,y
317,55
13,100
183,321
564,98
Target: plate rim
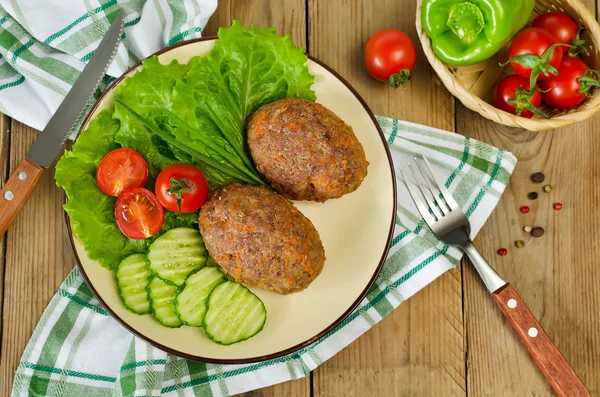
x,y
290,350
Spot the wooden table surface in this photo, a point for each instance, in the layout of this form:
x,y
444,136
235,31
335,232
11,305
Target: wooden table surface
x,y
449,339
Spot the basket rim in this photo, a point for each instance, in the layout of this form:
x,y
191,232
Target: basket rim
x,y
488,111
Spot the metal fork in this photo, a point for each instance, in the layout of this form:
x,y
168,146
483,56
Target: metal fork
x,y
446,220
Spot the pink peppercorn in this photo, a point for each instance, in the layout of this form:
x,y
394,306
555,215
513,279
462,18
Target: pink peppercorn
x,y
558,206
524,209
502,252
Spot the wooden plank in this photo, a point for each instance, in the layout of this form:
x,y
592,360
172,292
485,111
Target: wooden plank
x,y
4,138
288,17
556,275
38,258
419,348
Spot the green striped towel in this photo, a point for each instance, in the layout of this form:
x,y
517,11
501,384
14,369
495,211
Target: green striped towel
x,y
44,45
77,349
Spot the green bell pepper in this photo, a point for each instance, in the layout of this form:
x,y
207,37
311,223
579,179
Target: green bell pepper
x,y
465,32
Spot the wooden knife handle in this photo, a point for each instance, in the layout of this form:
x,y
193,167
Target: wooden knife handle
x,y
17,190
554,366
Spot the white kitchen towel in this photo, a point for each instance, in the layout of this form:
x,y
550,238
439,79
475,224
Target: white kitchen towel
x,y
78,350
45,44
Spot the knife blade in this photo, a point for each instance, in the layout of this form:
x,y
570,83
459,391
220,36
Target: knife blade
x,y
49,144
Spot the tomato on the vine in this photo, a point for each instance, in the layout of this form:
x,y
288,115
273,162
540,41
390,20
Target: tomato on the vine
x,y
534,54
512,95
571,86
121,169
138,213
390,56
181,188
563,28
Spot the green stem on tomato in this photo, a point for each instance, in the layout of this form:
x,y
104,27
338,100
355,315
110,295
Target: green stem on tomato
x,y
178,186
538,65
578,44
587,82
399,79
521,100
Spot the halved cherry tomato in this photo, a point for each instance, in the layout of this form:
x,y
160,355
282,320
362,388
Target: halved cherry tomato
x,y
390,56
121,169
181,188
571,86
511,95
138,213
560,26
527,51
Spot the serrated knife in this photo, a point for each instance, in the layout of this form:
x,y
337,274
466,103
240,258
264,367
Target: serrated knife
x,y
49,144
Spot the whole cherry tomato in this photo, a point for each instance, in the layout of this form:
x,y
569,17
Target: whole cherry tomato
x,y
572,85
530,52
181,188
390,56
511,95
560,26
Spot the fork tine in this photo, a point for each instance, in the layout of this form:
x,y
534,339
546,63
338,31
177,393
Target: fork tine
x,y
445,208
420,205
452,204
432,206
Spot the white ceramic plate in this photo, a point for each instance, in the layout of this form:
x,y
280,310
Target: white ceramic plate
x,y
356,231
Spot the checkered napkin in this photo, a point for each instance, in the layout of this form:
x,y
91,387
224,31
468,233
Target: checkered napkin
x,y
45,44
77,349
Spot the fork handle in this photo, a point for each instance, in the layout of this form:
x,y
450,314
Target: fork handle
x,y
556,369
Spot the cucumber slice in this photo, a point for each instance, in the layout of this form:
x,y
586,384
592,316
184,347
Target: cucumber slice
x,y
162,295
132,279
190,304
233,314
176,254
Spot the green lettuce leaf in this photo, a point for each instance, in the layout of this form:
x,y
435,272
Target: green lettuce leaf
x,y
90,210
203,105
148,92
247,68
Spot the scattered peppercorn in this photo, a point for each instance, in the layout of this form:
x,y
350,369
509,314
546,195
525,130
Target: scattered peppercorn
x,y
525,209
532,196
547,188
527,229
537,231
519,243
538,177
558,206
502,252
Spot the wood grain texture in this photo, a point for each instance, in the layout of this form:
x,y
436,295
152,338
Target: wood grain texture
x,y
418,350
553,365
4,138
427,347
556,275
16,191
288,17
38,258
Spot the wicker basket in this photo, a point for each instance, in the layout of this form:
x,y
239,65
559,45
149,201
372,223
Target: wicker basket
x,y
474,84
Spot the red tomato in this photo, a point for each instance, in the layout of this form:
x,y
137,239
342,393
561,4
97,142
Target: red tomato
x,y
121,169
534,41
563,90
507,88
390,56
560,26
138,213
181,188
